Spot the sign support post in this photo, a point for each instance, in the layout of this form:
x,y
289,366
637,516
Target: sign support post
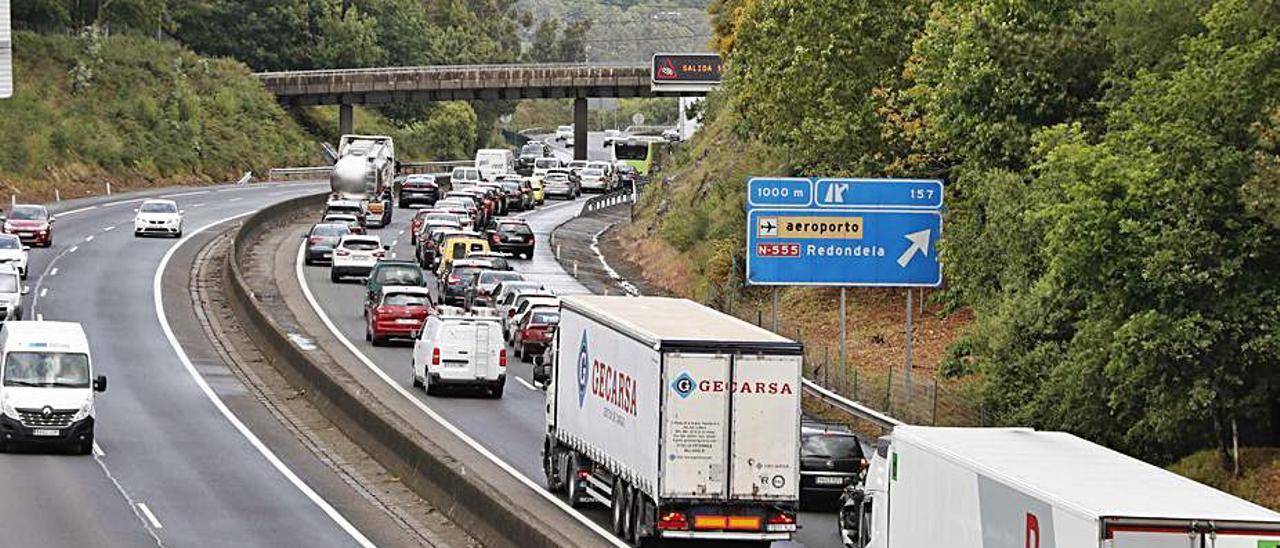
x,y
907,374
844,371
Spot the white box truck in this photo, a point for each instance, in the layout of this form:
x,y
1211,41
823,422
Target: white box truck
x,y
683,421
1020,488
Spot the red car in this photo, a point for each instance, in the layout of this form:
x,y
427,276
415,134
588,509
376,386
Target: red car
x,y
399,313
30,223
536,332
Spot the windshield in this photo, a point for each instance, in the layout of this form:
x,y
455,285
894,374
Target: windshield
x,y
8,283
10,242
27,213
405,299
546,163
578,163
361,245
515,229
839,447
330,230
59,369
400,275
593,173
466,174
495,277
466,273
544,318
531,150
625,151
557,178
158,207
510,185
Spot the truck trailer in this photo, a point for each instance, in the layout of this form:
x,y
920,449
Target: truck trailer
x,y
364,173
683,421
1021,488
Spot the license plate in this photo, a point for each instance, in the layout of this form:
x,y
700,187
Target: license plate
x,y
326,255
45,432
26,234
828,480
406,321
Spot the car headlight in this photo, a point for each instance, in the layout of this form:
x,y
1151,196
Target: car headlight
x,y
84,411
8,408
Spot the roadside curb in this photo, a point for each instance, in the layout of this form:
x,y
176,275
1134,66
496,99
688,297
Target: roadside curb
x,y
459,483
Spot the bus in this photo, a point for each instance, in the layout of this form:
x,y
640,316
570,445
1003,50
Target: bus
x,y
638,153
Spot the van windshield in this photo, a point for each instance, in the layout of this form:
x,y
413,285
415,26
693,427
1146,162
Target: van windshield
x,y
60,369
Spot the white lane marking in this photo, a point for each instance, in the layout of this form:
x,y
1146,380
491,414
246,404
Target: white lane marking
x,y
122,202
89,238
198,205
395,243
248,434
44,292
54,272
401,233
235,199
133,507
74,211
109,229
150,516
553,499
73,249
97,450
526,384
185,194
39,317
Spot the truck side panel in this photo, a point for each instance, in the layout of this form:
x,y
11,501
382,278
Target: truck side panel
x,y
695,426
766,406
933,502
607,398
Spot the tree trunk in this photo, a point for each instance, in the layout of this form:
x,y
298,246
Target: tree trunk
x,y
1222,431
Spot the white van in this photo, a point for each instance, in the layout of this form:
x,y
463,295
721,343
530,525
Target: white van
x,y
493,162
456,348
46,392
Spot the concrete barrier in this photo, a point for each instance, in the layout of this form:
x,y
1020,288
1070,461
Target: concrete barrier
x,y
468,489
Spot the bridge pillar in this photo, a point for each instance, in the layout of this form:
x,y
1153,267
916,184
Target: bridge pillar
x,y
580,128
346,119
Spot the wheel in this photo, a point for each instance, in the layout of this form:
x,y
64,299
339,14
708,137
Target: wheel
x,y
22,273
368,334
572,483
628,508
413,372
524,355
177,234
615,506
495,391
334,277
640,521
432,390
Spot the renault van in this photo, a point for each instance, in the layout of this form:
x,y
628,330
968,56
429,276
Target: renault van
x,y
47,385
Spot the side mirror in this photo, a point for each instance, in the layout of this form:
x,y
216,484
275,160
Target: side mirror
x,y
135,210
182,212
26,289
100,383
52,219
26,248
537,360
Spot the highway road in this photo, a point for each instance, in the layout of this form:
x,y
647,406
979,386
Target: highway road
x,y
512,428
172,465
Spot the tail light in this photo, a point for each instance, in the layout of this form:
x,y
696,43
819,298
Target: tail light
x,y
342,253
673,521
379,254
380,310
454,279
435,356
864,464
496,239
502,358
782,521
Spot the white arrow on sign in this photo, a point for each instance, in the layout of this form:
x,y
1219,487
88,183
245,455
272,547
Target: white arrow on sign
x,y
919,242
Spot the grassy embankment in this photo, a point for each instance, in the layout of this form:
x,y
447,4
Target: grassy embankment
x,y
136,112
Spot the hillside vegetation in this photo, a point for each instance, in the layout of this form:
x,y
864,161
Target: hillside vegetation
x,y
135,111
1113,212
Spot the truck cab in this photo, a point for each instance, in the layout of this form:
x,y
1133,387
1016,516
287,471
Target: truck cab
x,y
47,385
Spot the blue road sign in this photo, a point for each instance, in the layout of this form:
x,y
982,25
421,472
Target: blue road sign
x,y
850,232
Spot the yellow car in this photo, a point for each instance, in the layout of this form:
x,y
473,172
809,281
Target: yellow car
x,y
459,247
539,197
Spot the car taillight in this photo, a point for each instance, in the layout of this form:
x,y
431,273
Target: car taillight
x,y
380,310
313,240
435,356
502,358
342,253
673,521
454,279
496,239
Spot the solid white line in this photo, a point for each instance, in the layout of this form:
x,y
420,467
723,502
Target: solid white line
x,y
73,249
97,450
248,434
54,272
185,194
89,238
74,211
235,199
537,488
150,517
395,243
109,229
526,384
44,292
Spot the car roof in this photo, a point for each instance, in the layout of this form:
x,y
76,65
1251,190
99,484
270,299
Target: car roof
x,y
397,262
335,225
159,201
343,203
339,216
45,335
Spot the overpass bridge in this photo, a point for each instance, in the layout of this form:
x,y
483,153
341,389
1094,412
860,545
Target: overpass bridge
x,y
379,86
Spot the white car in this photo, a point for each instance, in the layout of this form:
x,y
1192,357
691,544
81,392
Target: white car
x,y
11,292
611,135
355,255
14,254
541,165
158,217
564,133
594,179
671,135
459,348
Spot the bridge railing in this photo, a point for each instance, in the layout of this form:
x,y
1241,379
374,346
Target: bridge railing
x,y
452,69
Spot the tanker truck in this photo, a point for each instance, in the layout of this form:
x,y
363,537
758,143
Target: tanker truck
x,y
363,174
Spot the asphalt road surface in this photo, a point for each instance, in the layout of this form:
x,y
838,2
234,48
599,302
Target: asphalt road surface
x,y
511,427
169,467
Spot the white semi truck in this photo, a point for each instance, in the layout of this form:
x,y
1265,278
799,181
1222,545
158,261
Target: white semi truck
x,y
1020,488
683,421
364,173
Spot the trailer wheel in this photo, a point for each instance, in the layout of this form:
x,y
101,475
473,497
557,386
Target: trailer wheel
x,y
551,467
642,522
574,485
628,513
616,505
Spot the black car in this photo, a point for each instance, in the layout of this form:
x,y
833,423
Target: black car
x,y
320,242
831,458
419,189
628,176
512,237
458,283
529,153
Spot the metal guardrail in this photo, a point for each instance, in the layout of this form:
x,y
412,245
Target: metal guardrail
x,y
607,200
849,406
280,174
411,168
